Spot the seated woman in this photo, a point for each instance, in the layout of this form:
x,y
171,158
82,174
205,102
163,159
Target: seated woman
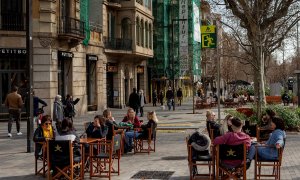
x,y
275,141
129,134
111,124
132,118
42,133
267,119
97,128
226,125
152,122
68,133
234,138
212,124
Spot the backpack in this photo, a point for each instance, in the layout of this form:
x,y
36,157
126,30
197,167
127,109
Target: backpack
x,y
200,143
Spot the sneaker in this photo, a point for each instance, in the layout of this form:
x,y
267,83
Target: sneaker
x,y
9,135
19,133
248,163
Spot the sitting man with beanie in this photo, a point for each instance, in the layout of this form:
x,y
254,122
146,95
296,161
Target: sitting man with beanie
x,y
234,138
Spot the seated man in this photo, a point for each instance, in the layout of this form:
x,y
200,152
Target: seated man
x,y
234,138
97,128
212,124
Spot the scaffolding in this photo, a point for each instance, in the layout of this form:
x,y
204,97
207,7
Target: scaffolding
x,y
167,48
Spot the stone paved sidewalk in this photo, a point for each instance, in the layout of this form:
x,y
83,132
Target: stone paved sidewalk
x,y
170,154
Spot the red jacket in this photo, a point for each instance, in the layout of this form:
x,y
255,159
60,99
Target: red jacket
x,y
136,122
233,138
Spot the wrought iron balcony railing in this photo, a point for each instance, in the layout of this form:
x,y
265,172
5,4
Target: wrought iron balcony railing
x,y
12,21
118,43
71,27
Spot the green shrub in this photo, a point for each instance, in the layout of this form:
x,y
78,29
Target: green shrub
x,y
290,116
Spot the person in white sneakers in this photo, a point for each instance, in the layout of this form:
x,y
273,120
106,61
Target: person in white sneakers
x,y
14,103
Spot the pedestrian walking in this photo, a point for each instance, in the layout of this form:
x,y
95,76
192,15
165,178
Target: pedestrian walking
x,y
161,97
69,106
142,102
134,101
36,109
179,96
14,103
170,98
154,98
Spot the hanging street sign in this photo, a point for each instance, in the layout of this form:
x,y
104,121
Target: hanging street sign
x,y
208,37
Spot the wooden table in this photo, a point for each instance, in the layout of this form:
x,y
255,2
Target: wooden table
x,y
84,141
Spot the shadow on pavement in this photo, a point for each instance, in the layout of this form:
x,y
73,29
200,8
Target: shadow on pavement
x,y
174,158
22,177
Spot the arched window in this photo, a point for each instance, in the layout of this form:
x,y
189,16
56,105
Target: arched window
x,y
150,36
126,28
137,28
142,33
146,35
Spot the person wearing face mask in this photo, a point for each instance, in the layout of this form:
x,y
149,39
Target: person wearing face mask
x,y
42,133
58,111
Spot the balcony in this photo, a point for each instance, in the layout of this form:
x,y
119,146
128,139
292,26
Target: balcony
x,y
114,3
118,44
12,21
71,29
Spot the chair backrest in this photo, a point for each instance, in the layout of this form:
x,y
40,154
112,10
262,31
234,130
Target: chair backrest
x,y
60,153
251,130
231,152
117,142
262,134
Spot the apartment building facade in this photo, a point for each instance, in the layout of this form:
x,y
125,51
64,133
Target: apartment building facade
x,y
127,34
94,50
67,51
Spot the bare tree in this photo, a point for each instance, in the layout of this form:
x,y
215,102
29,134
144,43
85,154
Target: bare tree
x,y
264,25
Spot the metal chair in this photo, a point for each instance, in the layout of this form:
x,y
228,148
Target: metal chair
x,y
227,153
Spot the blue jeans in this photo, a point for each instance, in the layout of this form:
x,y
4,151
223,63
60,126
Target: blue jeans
x,y
129,135
170,103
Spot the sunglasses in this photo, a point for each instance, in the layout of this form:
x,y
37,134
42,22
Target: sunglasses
x,y
47,124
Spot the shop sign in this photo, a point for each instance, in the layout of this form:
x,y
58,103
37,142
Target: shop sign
x,y
7,51
140,69
64,54
92,57
112,68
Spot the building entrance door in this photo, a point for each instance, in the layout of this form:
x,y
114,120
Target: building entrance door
x,y
110,89
64,71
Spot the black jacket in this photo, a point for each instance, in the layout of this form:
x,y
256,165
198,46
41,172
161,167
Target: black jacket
x,y
215,126
100,132
134,100
39,137
145,127
110,125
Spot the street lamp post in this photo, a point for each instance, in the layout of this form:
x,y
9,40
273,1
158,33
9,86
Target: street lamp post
x,y
173,58
29,51
298,59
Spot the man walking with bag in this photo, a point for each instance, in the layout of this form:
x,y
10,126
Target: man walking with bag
x,y
14,103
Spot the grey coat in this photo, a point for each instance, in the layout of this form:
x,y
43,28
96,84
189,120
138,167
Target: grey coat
x,y
58,111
